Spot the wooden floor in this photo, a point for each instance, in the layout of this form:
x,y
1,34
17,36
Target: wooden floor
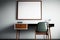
x,y
28,39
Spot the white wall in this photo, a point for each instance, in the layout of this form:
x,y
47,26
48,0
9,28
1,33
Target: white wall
x,y
7,18
50,10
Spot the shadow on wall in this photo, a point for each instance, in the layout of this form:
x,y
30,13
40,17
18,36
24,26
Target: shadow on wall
x,y
7,29
9,32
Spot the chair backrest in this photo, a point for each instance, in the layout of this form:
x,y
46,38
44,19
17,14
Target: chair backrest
x,y
42,27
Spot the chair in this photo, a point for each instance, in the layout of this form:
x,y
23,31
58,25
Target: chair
x,y
42,29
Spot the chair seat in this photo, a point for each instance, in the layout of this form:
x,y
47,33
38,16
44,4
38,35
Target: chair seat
x,y
41,33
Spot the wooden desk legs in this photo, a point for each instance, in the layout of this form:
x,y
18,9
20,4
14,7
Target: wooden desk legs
x,y
49,33
35,33
17,34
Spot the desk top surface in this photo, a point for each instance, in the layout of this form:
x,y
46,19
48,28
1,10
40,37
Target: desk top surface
x,y
27,23
50,25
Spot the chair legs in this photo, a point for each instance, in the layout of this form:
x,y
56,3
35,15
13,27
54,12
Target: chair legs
x,y
47,37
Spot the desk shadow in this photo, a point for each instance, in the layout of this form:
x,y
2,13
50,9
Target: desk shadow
x,y
7,32
8,29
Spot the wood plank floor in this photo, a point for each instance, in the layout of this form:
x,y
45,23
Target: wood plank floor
x,y
28,39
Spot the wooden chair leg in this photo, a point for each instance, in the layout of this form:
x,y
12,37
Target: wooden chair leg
x,y
46,37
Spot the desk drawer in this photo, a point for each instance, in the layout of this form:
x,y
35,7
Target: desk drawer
x,y
21,26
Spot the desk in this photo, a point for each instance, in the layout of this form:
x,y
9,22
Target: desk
x,y
20,26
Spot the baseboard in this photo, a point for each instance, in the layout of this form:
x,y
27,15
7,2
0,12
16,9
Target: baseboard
x,y
29,39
